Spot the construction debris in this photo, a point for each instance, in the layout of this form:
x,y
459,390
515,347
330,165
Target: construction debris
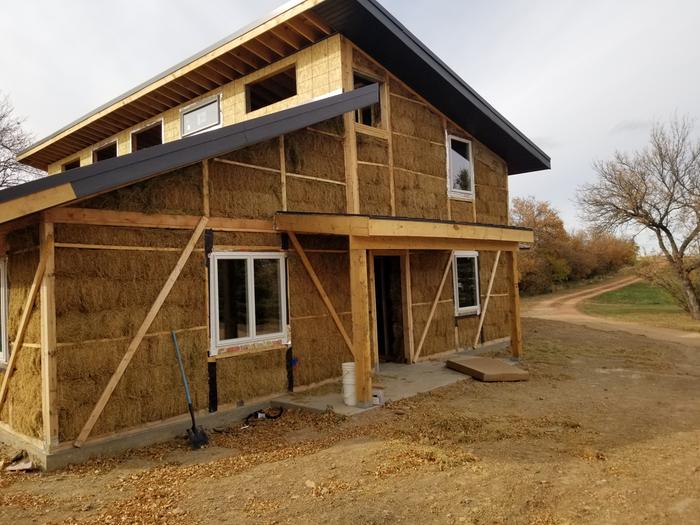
x,y
488,369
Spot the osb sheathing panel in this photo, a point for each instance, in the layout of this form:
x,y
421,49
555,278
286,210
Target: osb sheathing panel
x,y
178,192
265,154
245,193
315,155
251,376
374,189
314,196
420,195
22,408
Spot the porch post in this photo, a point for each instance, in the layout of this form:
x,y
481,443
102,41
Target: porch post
x,y
516,336
359,300
47,302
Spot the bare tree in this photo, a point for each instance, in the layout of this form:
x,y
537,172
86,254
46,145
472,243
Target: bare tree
x,y
657,188
13,139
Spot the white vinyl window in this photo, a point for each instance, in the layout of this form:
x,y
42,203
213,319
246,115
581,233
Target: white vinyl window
x,y
460,168
4,296
200,117
466,283
248,298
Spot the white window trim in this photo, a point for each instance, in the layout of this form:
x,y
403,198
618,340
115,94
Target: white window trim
x,y
146,126
468,310
5,352
216,343
195,106
459,194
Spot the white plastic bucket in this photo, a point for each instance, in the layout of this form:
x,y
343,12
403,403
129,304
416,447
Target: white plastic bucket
x,y
349,394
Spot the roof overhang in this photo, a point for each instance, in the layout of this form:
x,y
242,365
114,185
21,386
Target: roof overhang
x,y
56,190
387,233
365,22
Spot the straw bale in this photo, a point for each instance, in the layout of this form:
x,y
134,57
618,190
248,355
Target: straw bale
x,y
467,330
110,235
364,63
314,196
249,376
374,189
462,211
427,268
416,120
441,335
23,239
150,390
235,191
334,126
372,149
491,205
323,242
319,348
332,270
421,156
22,408
21,269
177,192
315,155
400,89
420,196
487,176
265,154
247,239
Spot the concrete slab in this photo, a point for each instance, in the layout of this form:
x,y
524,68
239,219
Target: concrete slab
x,y
398,381
488,369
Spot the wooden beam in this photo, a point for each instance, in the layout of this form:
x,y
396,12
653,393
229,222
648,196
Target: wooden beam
x,y
374,342
283,173
486,300
136,341
49,385
352,193
516,333
35,202
438,243
433,307
321,291
407,306
22,328
359,300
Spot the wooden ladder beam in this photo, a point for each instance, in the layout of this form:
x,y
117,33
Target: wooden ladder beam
x,y
136,341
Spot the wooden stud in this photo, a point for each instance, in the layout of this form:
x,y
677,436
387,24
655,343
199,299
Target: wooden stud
x,y
390,143
407,306
486,300
136,341
350,142
283,173
49,374
205,187
321,291
316,179
359,300
22,328
516,334
433,307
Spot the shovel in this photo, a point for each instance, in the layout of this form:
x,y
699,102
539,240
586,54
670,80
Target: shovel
x,y
196,435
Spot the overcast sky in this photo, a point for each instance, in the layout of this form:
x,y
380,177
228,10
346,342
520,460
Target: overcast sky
x,y
581,79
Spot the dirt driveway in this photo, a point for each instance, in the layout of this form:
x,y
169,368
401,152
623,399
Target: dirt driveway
x,y
564,307
606,431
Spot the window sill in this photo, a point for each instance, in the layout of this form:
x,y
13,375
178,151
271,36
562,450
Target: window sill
x,y
371,131
248,348
463,198
475,313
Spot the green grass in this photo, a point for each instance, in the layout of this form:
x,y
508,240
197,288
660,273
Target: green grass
x,y
641,303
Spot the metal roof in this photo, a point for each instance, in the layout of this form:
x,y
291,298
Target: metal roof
x,y
119,171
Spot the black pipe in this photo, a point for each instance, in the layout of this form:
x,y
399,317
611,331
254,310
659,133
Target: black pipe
x,y
213,392
290,369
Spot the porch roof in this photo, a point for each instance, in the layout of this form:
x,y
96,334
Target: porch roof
x,y
379,232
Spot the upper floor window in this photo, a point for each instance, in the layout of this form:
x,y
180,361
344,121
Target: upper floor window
x,y
4,295
272,89
371,115
248,298
465,271
71,165
105,152
460,168
147,137
200,117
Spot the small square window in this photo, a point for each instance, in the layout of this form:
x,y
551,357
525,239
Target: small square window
x,y
466,283
206,115
273,89
105,152
460,168
370,115
73,164
147,137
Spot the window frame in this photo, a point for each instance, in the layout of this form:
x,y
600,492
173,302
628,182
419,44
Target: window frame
x,y
102,146
4,317
136,131
467,195
467,310
218,344
198,105
72,161
277,71
373,79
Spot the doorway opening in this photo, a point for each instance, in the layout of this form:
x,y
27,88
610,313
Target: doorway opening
x,y
390,333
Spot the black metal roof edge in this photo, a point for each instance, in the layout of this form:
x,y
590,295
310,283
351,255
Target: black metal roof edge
x,y
406,219
118,171
441,67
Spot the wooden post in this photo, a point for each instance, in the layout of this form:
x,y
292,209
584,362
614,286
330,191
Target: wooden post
x,y
373,310
433,307
49,410
205,187
486,300
283,173
359,299
516,335
407,306
350,141
136,341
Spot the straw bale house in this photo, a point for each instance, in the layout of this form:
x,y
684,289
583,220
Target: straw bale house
x,y
317,188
